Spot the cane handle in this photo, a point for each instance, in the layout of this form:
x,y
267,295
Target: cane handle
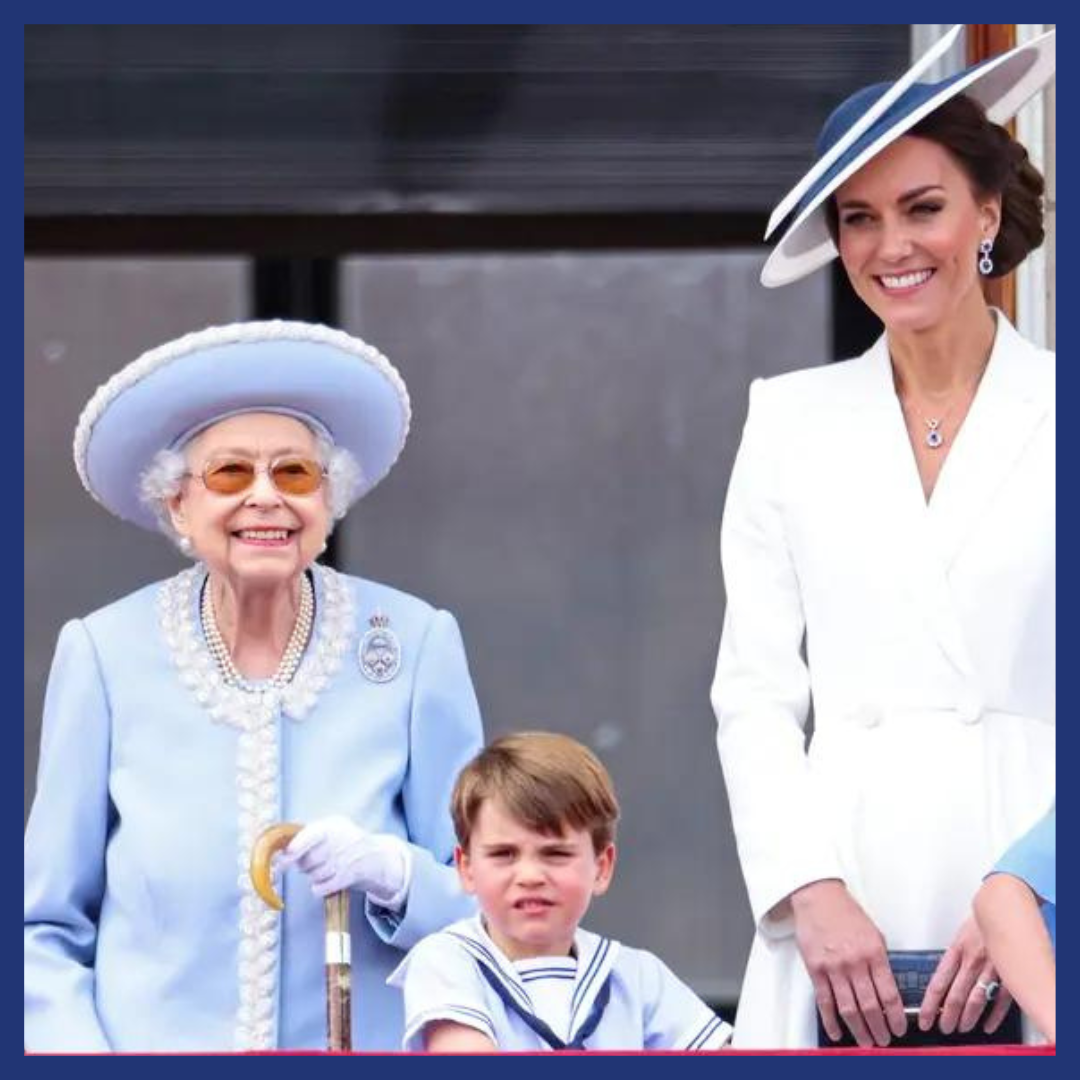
x,y
267,843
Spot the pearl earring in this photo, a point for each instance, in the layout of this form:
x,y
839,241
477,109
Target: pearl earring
x,y
986,264
186,546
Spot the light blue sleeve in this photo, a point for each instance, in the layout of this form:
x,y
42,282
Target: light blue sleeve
x,y
64,855
445,732
440,981
1032,858
675,1017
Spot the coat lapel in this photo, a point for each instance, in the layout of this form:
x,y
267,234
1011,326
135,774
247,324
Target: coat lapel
x,y
892,497
925,539
882,452
1007,411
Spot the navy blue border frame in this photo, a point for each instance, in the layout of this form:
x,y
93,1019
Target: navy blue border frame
x,y
12,432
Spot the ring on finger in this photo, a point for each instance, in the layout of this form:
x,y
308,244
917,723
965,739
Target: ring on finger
x,y
989,988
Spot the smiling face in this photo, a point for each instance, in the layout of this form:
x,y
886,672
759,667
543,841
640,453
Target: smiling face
x,y
909,233
258,535
533,888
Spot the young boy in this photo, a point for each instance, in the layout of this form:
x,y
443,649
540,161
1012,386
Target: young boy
x,y
535,820
1015,908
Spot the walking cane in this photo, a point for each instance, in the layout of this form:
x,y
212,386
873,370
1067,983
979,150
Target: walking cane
x,y
338,958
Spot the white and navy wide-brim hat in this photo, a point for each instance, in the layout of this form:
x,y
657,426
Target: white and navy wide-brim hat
x,y
168,394
872,118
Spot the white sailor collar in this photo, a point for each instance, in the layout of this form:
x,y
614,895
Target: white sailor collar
x,y
596,957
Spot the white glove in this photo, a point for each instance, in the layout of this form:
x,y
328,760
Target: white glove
x,y
337,854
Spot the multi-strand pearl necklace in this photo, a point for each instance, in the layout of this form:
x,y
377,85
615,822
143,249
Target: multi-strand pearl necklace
x,y
294,650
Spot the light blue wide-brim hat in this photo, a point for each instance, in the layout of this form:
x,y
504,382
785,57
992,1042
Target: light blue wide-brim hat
x,y
161,399
871,119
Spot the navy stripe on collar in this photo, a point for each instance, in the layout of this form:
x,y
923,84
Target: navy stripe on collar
x,y
596,964
486,957
706,1033
547,973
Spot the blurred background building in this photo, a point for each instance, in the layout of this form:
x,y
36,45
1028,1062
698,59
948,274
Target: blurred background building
x,y
555,233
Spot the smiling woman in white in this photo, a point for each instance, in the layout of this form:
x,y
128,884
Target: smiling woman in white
x,y
256,686
888,555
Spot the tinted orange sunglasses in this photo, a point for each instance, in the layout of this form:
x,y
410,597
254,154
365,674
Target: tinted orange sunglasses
x,y
290,475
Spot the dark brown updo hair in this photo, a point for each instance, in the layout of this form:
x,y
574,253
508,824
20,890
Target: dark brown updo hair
x,y
996,164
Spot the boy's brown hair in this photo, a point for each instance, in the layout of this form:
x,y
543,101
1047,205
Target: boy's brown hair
x,y
545,780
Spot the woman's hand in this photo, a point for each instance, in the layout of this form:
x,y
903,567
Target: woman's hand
x,y
337,854
1008,914
958,987
845,954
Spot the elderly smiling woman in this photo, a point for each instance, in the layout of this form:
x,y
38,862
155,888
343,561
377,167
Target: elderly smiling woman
x,y
255,686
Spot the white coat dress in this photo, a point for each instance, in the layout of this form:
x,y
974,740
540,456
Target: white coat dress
x,y
922,633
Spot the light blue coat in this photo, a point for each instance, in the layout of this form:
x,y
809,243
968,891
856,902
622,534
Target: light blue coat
x,y
136,934
1032,858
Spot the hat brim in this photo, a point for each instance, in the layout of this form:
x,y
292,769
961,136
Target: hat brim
x,y
340,381
870,115
1001,85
